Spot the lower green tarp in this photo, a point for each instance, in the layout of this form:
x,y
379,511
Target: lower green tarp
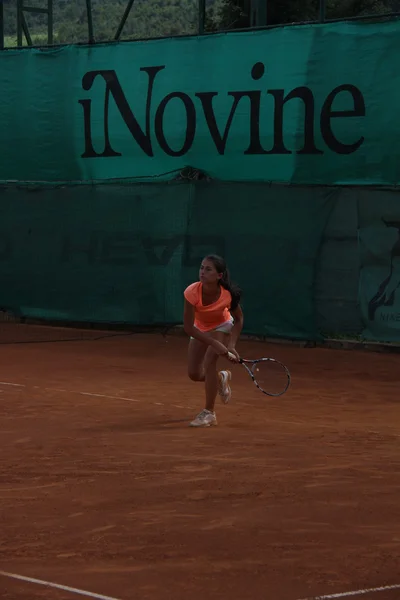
x,y
379,246
124,253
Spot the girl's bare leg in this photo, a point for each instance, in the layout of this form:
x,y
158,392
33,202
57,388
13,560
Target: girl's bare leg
x,y
210,370
202,366
196,353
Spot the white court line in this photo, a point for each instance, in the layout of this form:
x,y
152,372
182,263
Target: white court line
x,y
79,592
88,393
103,396
21,385
57,586
71,392
355,593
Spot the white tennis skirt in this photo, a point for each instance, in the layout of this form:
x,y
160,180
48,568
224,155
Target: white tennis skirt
x,y
224,327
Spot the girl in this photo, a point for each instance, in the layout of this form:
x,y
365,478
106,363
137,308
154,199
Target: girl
x,y
214,319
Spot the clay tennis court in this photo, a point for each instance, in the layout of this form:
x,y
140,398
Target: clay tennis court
x,y
105,489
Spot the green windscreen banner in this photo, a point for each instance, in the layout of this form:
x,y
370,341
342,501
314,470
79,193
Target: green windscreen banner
x,y
311,104
379,244
125,253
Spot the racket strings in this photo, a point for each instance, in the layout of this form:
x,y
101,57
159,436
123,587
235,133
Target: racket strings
x,y
271,376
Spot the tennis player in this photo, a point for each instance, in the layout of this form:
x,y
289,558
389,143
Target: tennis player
x,y
213,319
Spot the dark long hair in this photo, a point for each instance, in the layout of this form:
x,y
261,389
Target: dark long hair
x,y
220,266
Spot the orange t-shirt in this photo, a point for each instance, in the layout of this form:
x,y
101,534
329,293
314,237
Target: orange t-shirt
x,y
211,316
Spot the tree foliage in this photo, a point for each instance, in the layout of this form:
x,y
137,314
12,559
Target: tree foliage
x,y
235,14
156,18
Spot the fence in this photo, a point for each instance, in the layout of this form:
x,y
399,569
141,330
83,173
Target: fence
x,y
200,17
308,105
311,260
94,227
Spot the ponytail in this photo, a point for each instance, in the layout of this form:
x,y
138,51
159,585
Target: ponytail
x,y
234,290
225,280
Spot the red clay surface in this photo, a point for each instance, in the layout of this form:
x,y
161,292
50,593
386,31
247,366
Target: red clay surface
x,y
113,493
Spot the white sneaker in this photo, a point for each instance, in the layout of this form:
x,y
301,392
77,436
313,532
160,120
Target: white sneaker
x,y
224,388
204,419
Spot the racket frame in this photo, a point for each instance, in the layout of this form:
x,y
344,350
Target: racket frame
x,y
250,365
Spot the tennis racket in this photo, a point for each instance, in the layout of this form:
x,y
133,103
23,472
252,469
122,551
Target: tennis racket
x,y
269,375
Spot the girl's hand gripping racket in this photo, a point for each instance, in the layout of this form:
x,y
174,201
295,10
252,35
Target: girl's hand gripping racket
x,y
269,375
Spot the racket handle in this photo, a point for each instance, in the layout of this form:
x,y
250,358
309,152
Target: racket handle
x,y
231,356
